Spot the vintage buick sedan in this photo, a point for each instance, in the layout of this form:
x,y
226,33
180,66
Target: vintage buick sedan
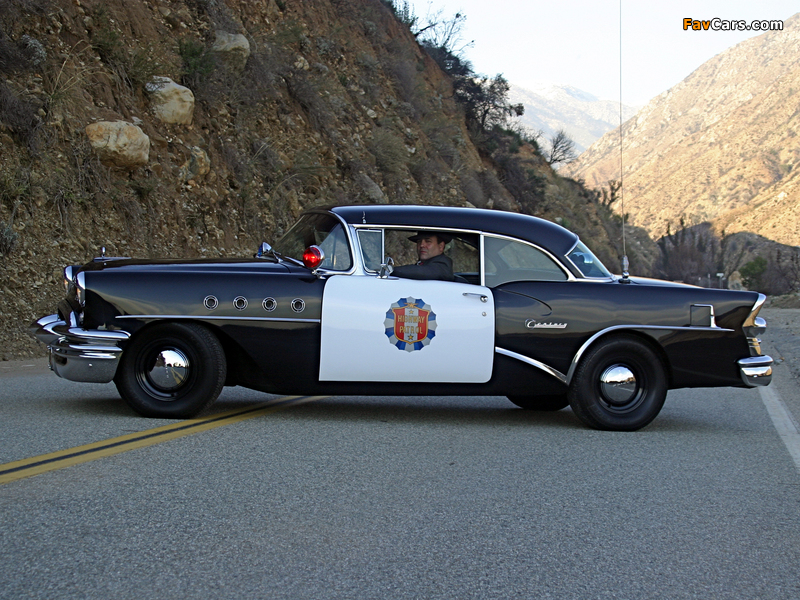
x,y
529,313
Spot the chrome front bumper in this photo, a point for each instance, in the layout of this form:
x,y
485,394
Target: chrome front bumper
x,y
79,354
755,370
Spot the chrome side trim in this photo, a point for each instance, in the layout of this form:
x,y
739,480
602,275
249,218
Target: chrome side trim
x,y
576,359
534,363
482,260
217,318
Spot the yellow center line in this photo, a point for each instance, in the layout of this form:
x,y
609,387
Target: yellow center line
x,y
35,465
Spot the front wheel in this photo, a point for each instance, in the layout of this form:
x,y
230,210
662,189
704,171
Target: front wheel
x,y
172,370
619,385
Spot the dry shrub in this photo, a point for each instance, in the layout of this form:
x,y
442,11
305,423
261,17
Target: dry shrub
x,y
390,152
471,189
20,117
427,173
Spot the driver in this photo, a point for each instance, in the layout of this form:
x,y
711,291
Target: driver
x,y
432,263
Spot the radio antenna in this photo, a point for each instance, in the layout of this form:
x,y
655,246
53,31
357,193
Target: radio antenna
x,y
625,263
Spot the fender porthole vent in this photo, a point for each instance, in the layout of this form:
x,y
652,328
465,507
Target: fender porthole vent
x,y
210,302
298,305
240,303
269,304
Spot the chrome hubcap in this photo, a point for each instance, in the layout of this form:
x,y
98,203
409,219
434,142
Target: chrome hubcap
x,y
618,384
170,369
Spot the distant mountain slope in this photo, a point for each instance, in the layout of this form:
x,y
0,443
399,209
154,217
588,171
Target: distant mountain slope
x,y
721,146
550,106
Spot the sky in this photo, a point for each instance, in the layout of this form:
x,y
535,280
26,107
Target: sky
x,y
578,42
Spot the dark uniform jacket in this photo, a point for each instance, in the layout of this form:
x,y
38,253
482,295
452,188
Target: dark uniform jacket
x,y
438,267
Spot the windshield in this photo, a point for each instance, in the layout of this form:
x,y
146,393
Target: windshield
x,y
321,230
587,262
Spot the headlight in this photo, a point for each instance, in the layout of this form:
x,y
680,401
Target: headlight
x,y
80,288
68,280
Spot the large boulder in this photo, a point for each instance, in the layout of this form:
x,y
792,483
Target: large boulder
x,y
172,103
119,144
232,49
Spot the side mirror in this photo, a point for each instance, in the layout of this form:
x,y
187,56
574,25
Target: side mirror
x,y
386,268
263,250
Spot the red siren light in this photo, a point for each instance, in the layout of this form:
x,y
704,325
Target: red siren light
x,y
313,257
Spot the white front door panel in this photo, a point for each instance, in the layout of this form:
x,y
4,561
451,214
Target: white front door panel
x,y
406,330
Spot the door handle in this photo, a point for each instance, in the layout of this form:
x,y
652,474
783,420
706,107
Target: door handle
x,y
483,297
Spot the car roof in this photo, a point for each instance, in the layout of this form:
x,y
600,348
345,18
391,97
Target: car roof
x,y
525,227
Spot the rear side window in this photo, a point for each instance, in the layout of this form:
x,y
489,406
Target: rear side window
x,y
510,260
587,263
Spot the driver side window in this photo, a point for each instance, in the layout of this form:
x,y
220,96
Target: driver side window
x,y
462,249
510,260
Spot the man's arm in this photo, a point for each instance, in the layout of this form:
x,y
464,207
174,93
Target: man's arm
x,y
439,267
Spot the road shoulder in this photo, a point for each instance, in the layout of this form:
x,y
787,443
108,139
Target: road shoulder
x,y
782,342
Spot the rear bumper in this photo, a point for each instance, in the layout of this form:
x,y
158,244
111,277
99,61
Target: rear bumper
x,y
79,354
756,370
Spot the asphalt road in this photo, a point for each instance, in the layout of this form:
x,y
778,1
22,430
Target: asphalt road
x,y
399,498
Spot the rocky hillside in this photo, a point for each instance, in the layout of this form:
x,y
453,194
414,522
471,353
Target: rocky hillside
x,y
200,128
722,146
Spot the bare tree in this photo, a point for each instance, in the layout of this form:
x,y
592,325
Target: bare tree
x,y
441,32
562,148
405,13
532,136
787,268
610,195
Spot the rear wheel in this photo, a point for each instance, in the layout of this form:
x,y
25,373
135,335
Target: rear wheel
x,y
619,385
545,402
172,370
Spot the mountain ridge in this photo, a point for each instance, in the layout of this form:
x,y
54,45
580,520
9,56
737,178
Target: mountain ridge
x,y
720,146
552,106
